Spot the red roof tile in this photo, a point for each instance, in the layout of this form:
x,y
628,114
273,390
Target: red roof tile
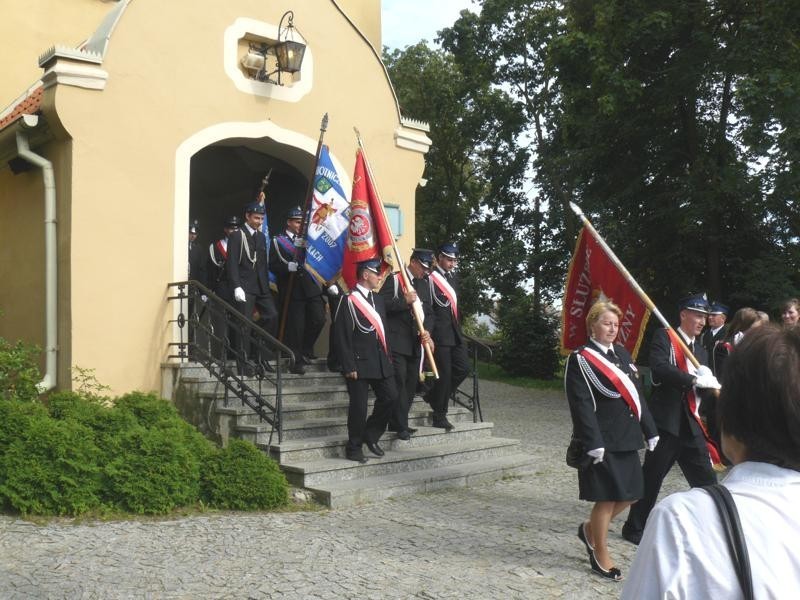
x,y
28,105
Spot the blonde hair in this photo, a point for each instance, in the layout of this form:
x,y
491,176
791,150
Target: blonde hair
x,y
597,309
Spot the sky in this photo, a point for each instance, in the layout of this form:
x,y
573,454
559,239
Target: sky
x,y
406,22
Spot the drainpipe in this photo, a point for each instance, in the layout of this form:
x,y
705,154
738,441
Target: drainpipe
x,y
50,252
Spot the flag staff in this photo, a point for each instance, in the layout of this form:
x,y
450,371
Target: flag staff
x,y
629,278
323,127
416,306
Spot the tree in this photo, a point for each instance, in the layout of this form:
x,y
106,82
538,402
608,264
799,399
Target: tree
x,y
474,170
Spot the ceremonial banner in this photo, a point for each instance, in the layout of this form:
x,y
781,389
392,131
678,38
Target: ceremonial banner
x,y
592,275
328,219
369,235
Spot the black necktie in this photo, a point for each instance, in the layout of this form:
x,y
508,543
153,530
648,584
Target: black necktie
x,y
611,356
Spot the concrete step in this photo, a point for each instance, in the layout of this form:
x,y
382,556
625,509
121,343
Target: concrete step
x,y
332,446
259,432
312,473
295,397
341,494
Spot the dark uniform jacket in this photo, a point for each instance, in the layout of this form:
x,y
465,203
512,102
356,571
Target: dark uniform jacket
x,y
709,341
305,286
670,387
247,262
600,420
216,273
196,262
357,345
446,328
401,327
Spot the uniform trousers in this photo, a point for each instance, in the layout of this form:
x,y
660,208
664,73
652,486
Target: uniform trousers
x,y
692,457
452,363
406,376
361,429
268,320
305,319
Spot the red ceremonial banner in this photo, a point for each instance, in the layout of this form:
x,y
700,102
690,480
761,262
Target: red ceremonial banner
x,y
592,275
369,235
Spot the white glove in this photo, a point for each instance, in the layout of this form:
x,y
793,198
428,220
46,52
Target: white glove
x,y
238,295
597,454
292,266
703,370
203,298
707,382
333,290
652,443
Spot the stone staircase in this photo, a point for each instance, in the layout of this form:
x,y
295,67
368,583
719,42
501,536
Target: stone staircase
x,y
315,430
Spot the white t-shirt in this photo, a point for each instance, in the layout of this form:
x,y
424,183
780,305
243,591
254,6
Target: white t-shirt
x,y
684,552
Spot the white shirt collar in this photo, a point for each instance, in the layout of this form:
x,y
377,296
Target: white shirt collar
x,y
250,229
364,291
602,347
714,331
685,336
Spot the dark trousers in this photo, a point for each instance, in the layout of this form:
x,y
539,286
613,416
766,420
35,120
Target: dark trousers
x,y
453,365
361,429
406,377
268,321
304,322
691,457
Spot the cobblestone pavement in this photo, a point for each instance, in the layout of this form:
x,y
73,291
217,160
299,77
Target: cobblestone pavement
x,y
511,539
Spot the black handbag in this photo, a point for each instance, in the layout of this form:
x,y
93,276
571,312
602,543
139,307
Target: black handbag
x,y
576,455
733,533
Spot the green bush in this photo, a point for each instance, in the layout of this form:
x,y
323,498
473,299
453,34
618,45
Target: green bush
x,y
18,371
529,340
154,472
241,477
52,467
84,452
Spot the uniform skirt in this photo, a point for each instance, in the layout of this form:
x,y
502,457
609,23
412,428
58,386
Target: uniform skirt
x,y
617,479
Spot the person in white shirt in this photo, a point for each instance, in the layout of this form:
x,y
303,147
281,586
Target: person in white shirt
x,y
683,552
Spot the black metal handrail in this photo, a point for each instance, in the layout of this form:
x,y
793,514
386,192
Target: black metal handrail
x,y
472,402
215,334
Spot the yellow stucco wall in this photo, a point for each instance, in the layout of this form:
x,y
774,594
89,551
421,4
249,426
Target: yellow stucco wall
x,y
29,28
167,85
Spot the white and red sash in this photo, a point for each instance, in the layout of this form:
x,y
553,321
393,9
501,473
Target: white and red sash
x,y
619,379
223,249
442,284
691,398
370,314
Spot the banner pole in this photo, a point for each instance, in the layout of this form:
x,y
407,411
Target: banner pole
x,y
323,126
629,278
416,307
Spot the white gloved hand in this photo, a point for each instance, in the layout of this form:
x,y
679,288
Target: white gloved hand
x,y
203,298
707,382
652,443
292,267
703,370
333,290
238,295
597,454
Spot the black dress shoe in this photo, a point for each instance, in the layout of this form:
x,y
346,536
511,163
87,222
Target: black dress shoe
x,y
375,448
403,435
268,368
631,535
443,424
614,574
356,456
411,429
298,369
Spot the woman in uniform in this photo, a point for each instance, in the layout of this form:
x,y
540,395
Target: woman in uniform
x,y
609,415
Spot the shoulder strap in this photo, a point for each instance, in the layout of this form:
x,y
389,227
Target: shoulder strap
x,y
733,533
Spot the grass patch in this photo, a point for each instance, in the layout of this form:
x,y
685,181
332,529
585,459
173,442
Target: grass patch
x,y
493,372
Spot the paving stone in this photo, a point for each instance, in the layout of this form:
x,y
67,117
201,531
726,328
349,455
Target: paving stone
x,y
514,538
